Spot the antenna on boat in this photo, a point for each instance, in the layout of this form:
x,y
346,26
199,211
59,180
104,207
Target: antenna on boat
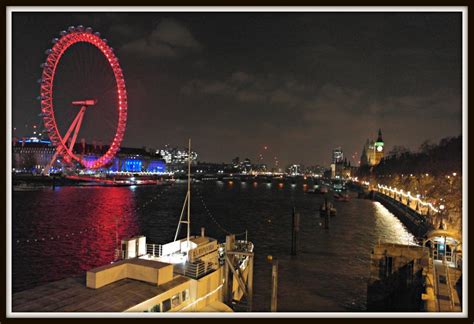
x,y
189,191
187,201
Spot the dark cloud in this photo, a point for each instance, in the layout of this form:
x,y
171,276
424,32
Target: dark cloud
x,y
169,39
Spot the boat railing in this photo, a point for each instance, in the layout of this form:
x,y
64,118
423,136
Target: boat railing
x,y
195,269
244,246
155,250
240,245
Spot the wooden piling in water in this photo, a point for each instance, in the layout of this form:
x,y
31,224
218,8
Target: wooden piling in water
x,y
250,284
327,213
295,227
273,307
227,291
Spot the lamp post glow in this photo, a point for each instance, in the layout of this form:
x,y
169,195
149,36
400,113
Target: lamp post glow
x,y
398,194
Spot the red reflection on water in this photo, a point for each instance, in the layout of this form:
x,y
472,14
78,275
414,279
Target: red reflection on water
x,y
111,219
70,230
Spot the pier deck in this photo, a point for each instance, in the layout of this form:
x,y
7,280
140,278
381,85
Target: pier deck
x,y
72,295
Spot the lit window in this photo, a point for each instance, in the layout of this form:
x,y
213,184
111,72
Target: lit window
x,y
175,301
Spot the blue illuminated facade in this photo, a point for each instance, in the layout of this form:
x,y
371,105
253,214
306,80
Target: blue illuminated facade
x,y
32,155
137,164
131,165
156,166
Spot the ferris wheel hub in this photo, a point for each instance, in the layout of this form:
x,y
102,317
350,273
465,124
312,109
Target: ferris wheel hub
x,y
88,102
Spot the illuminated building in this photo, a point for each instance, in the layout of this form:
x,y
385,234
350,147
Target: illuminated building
x,y
31,155
244,166
373,151
176,156
342,170
294,169
337,155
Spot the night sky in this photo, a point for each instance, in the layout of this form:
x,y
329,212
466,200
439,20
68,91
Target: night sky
x,y
298,83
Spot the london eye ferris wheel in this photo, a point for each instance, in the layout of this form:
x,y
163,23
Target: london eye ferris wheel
x,y
83,95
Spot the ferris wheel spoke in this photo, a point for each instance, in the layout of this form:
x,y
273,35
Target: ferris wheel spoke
x,y
105,92
76,131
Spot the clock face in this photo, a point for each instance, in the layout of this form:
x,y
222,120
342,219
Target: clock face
x,y
379,148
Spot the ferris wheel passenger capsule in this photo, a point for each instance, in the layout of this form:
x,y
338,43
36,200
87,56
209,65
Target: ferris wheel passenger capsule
x,y
63,32
43,65
71,29
97,34
104,40
89,30
54,40
48,51
39,98
80,28
40,81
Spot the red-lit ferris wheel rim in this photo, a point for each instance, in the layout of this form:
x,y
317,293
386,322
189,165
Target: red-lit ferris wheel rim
x,y
66,40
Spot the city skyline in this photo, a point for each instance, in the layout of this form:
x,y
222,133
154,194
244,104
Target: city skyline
x,y
335,79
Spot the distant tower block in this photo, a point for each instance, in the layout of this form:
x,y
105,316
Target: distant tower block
x,y
337,155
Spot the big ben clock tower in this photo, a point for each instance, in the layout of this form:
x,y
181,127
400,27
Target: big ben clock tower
x,y
379,150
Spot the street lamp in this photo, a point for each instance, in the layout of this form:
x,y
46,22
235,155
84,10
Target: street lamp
x,y
442,212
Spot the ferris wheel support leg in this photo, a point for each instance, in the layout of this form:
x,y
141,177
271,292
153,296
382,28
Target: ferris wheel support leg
x,y
74,125
80,116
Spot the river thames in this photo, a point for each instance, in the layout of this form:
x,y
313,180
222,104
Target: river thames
x,y
62,232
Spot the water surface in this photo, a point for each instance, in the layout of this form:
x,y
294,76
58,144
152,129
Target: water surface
x,y
63,232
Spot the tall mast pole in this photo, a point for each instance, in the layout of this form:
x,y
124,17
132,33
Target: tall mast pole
x,y
189,190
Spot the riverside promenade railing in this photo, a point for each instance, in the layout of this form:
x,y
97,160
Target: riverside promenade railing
x,y
418,224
